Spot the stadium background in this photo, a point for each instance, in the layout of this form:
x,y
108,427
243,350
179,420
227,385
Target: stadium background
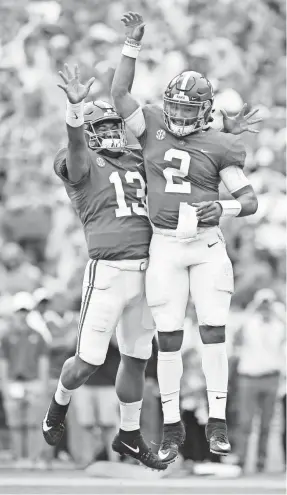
x,y
240,46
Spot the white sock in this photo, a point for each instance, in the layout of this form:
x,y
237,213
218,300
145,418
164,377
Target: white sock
x,y
62,395
215,368
130,415
169,373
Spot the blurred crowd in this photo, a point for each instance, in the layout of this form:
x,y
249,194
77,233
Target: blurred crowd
x,y
42,247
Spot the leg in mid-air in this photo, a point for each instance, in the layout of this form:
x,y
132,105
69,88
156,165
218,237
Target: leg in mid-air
x,y
100,312
211,287
134,332
167,292
118,235
75,372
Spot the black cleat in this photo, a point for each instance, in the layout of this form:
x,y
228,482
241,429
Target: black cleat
x,y
216,435
53,425
132,443
173,438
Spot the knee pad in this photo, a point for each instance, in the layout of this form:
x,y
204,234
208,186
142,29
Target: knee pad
x,y
212,334
170,341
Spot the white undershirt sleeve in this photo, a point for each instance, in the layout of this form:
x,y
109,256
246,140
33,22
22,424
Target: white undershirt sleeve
x,y
233,178
136,122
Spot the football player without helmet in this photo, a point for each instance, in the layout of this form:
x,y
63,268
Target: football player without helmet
x,y
185,160
103,174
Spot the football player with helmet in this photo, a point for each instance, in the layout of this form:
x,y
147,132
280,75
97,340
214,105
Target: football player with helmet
x,y
102,171
185,160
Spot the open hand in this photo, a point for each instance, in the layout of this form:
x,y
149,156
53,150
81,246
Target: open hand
x,y
134,25
208,211
74,89
240,122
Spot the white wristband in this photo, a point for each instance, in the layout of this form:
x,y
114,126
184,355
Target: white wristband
x,y
75,114
230,208
130,51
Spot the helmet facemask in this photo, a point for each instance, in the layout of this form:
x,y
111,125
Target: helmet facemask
x,y
109,141
183,117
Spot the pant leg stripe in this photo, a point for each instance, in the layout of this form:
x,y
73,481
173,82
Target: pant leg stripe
x,y
88,295
83,305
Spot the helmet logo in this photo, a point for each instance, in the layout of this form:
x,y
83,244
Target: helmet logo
x,y
160,135
180,97
100,162
109,112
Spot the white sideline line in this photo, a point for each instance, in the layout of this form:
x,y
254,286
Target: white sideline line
x,y
156,483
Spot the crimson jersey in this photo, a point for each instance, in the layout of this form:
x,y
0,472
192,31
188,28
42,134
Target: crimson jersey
x,y
110,202
183,169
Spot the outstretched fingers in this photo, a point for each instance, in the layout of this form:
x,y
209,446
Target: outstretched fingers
x,y
256,121
77,72
64,77
68,72
62,87
242,111
250,114
90,82
255,131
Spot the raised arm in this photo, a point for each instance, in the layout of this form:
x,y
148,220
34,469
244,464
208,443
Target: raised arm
x,y
124,103
77,156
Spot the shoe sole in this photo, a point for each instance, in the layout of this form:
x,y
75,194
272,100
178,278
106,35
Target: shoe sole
x,y
219,453
169,461
128,453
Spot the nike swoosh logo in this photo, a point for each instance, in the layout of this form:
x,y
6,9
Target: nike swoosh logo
x,y
204,151
131,448
163,456
169,400
76,116
45,427
220,397
210,245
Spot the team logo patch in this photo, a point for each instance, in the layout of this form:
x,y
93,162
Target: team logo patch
x,y
101,162
160,135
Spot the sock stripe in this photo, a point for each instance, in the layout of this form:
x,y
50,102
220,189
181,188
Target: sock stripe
x,y
87,298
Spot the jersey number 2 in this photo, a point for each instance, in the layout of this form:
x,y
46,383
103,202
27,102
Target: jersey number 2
x,y
123,209
170,172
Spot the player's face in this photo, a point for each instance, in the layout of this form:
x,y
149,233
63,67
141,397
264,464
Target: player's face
x,y
106,126
109,135
180,113
108,130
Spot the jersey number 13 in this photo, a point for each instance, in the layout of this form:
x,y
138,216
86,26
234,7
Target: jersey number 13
x,y
123,209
